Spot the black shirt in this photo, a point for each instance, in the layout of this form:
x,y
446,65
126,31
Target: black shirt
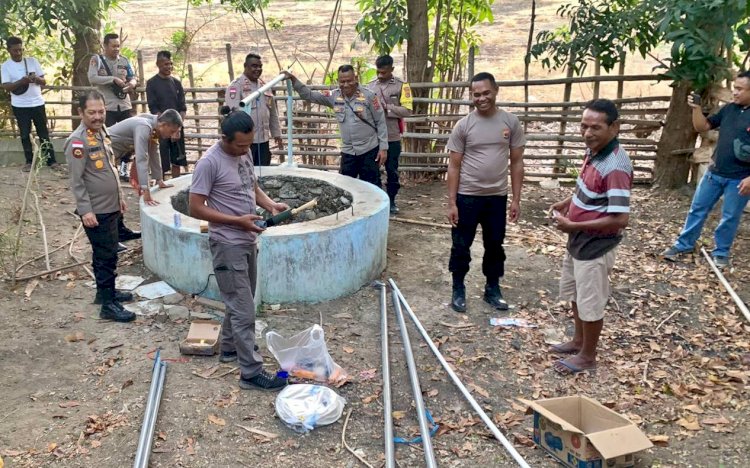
x,y
165,93
734,121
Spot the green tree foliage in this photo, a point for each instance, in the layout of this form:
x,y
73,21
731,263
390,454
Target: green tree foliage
x,y
698,31
384,25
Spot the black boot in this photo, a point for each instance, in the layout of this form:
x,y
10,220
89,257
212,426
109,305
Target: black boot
x,y
120,296
113,310
125,233
458,300
494,297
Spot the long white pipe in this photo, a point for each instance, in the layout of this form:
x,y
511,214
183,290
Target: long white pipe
x,y
390,449
255,94
429,455
737,299
487,421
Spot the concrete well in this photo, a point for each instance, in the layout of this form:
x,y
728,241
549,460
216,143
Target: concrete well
x,y
310,261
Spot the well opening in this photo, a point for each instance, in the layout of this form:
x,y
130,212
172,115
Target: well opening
x,y
294,191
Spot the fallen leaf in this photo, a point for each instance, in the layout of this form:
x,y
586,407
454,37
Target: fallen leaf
x,y
370,398
715,421
30,289
267,435
161,436
73,337
69,404
213,419
659,440
368,374
11,453
432,392
96,443
479,390
689,422
51,447
398,414
694,409
126,384
348,350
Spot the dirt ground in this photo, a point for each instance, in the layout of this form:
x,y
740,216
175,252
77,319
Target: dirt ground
x,y
74,387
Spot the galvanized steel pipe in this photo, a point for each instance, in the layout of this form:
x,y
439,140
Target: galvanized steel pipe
x,y
737,299
487,421
429,456
390,451
152,408
289,123
154,413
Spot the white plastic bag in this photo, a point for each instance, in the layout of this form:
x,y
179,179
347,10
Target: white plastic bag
x,y
305,355
303,407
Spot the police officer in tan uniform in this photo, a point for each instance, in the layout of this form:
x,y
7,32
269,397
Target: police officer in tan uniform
x,y
364,135
140,135
264,114
99,200
395,96
113,76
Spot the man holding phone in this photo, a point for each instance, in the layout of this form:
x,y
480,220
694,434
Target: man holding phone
x,y
728,177
23,78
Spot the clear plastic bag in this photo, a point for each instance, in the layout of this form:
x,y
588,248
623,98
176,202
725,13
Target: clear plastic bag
x,y
303,407
305,356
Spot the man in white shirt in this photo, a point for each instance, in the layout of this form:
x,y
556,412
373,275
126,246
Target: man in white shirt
x,y
23,78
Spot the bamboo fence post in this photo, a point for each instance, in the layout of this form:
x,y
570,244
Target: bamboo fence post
x,y
527,61
621,75
470,62
142,82
230,65
196,109
566,98
597,72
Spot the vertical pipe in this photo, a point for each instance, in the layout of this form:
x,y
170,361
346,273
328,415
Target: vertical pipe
x,y
487,421
146,413
390,458
429,456
289,122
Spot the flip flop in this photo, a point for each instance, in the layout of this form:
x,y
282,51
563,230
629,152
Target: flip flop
x,y
556,349
570,369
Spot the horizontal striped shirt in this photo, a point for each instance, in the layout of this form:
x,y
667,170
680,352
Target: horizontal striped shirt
x,y
602,189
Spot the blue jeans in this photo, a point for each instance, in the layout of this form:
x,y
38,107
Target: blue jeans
x,y
708,192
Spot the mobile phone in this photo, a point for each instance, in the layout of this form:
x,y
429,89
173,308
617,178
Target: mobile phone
x,y
32,74
696,98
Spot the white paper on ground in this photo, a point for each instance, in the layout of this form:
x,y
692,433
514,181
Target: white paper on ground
x,y
155,290
145,308
128,282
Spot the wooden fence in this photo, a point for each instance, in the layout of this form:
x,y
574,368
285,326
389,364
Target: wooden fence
x,y
554,147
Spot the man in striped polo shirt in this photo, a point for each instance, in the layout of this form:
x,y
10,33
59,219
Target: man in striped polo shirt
x,y
594,218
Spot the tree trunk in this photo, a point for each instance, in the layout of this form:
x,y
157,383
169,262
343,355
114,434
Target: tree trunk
x,y
671,170
417,50
87,42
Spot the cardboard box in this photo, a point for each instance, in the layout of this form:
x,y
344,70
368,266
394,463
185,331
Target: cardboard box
x,y
581,433
202,339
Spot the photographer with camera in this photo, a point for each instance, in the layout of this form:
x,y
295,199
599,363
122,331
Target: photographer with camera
x,y
728,177
23,78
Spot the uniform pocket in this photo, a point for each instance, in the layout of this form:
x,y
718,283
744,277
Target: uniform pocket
x,y
225,279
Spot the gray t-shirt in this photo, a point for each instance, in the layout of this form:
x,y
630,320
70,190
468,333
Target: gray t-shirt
x,y
485,143
229,183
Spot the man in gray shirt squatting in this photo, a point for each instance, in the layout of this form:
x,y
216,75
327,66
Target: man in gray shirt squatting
x,y
225,192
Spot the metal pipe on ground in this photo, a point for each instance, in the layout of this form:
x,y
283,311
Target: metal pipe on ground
x,y
737,299
155,412
152,408
137,463
487,421
429,455
390,451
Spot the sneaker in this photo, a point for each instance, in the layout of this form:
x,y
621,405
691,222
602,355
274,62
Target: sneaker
x,y
263,381
26,168
721,262
672,254
494,297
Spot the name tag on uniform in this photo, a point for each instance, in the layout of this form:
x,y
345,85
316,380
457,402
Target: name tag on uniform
x,y
359,108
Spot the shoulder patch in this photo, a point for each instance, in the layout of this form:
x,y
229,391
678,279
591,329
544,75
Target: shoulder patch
x,y
77,146
376,103
94,62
